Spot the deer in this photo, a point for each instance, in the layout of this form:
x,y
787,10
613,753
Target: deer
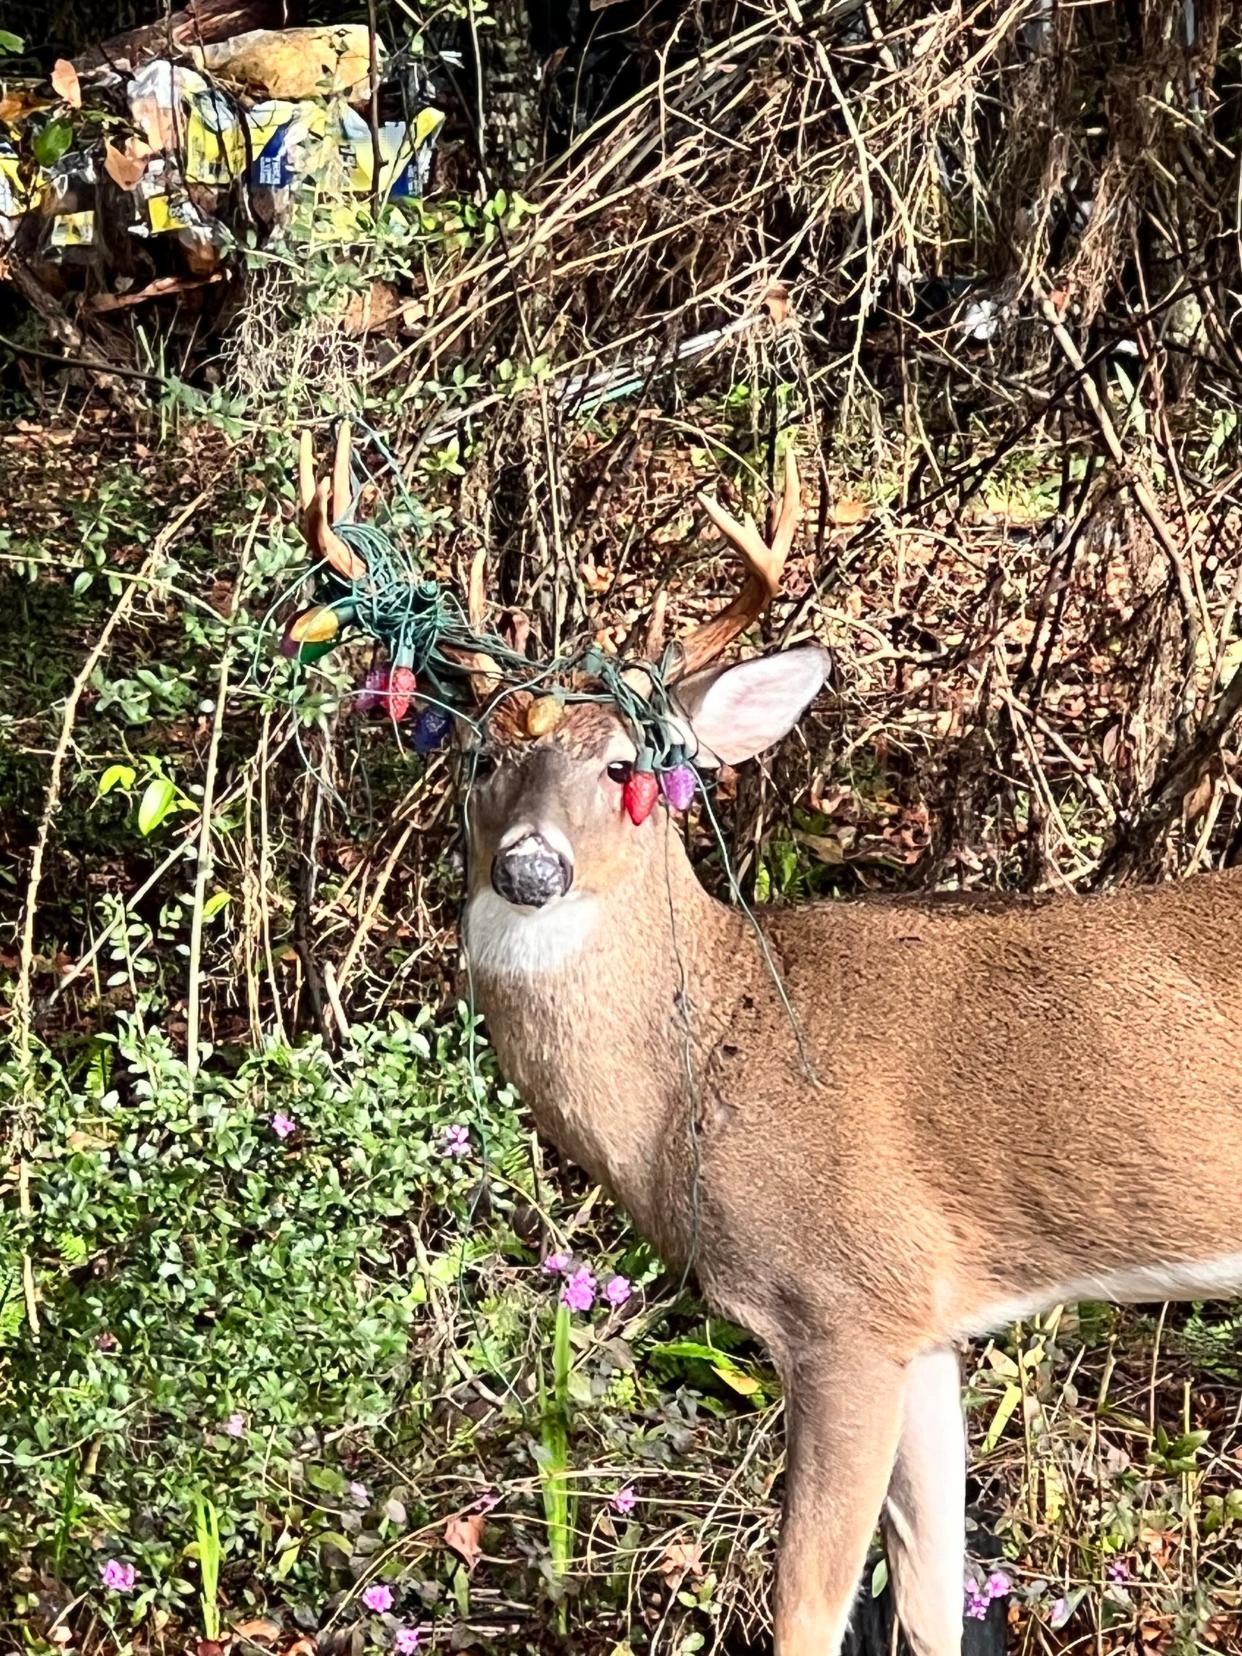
x,y
874,1130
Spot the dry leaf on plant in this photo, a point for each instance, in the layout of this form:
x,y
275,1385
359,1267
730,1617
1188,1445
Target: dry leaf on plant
x,y
122,168
65,83
465,1537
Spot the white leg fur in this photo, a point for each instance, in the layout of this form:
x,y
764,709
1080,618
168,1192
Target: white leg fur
x,y
925,1512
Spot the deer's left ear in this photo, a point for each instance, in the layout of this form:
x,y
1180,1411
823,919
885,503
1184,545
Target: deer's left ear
x,y
736,712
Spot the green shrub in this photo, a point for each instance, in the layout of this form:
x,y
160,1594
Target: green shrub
x,y
225,1311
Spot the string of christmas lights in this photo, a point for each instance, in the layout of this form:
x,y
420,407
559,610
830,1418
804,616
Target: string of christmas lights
x,y
375,584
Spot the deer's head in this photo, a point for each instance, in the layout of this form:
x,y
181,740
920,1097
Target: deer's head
x,y
547,825
547,828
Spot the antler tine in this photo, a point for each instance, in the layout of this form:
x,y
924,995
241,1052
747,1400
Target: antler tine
x,y
765,564
322,538
342,494
306,470
323,503
484,675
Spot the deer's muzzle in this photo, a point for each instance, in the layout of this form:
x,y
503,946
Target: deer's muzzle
x,y
531,872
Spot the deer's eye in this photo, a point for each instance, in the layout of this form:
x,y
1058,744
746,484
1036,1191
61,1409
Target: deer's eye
x,y
620,771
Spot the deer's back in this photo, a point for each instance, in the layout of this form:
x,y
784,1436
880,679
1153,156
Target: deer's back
x,y
1004,1094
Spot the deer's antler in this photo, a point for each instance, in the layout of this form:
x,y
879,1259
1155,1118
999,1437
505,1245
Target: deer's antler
x,y
324,504
329,501
765,564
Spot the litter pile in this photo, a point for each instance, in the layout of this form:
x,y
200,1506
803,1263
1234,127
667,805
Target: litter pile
x,y
192,152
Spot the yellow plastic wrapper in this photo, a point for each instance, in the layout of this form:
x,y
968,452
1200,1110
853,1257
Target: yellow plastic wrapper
x,y
72,230
316,150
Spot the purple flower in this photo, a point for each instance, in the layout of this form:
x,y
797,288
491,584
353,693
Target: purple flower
x,y
556,1264
624,1500
1059,1613
678,785
579,1290
487,1501
618,1290
1119,1570
119,1577
283,1125
378,1598
359,1494
456,1141
406,1640
107,1341
998,1584
977,1606
235,1425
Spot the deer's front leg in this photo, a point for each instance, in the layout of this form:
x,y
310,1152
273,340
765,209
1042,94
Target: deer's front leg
x,y
925,1515
843,1416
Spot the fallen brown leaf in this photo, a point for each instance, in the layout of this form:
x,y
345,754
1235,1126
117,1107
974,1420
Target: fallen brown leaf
x,y
846,512
65,83
681,1558
465,1537
776,302
260,1628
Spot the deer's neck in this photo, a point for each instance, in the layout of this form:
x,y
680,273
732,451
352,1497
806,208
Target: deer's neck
x,y
601,1009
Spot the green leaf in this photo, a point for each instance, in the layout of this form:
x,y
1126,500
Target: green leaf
x,y
157,802
1004,1409
741,1382
286,1561
879,1578
11,42
116,776
53,142
213,905
334,1538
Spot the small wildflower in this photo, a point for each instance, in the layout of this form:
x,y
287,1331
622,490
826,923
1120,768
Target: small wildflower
x,y
579,1290
624,1501
359,1494
235,1425
1059,1613
1119,1570
556,1264
487,1501
119,1577
618,1290
457,1141
406,1640
107,1341
283,1125
378,1598
977,1606
998,1584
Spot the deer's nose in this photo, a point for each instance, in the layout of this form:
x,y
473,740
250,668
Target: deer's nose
x,y
531,872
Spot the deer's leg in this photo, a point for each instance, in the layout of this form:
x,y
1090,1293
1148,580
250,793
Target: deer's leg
x,y
925,1513
842,1423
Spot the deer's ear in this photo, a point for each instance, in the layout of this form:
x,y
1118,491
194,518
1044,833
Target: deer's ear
x,y
736,712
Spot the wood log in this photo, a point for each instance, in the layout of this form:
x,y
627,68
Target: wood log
x,y
202,22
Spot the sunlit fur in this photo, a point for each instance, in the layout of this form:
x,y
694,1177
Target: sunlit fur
x,y
947,1115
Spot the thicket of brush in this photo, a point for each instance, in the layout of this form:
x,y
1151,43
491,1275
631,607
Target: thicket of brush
x,y
984,267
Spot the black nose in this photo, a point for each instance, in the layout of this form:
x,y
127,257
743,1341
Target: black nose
x,y
531,873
